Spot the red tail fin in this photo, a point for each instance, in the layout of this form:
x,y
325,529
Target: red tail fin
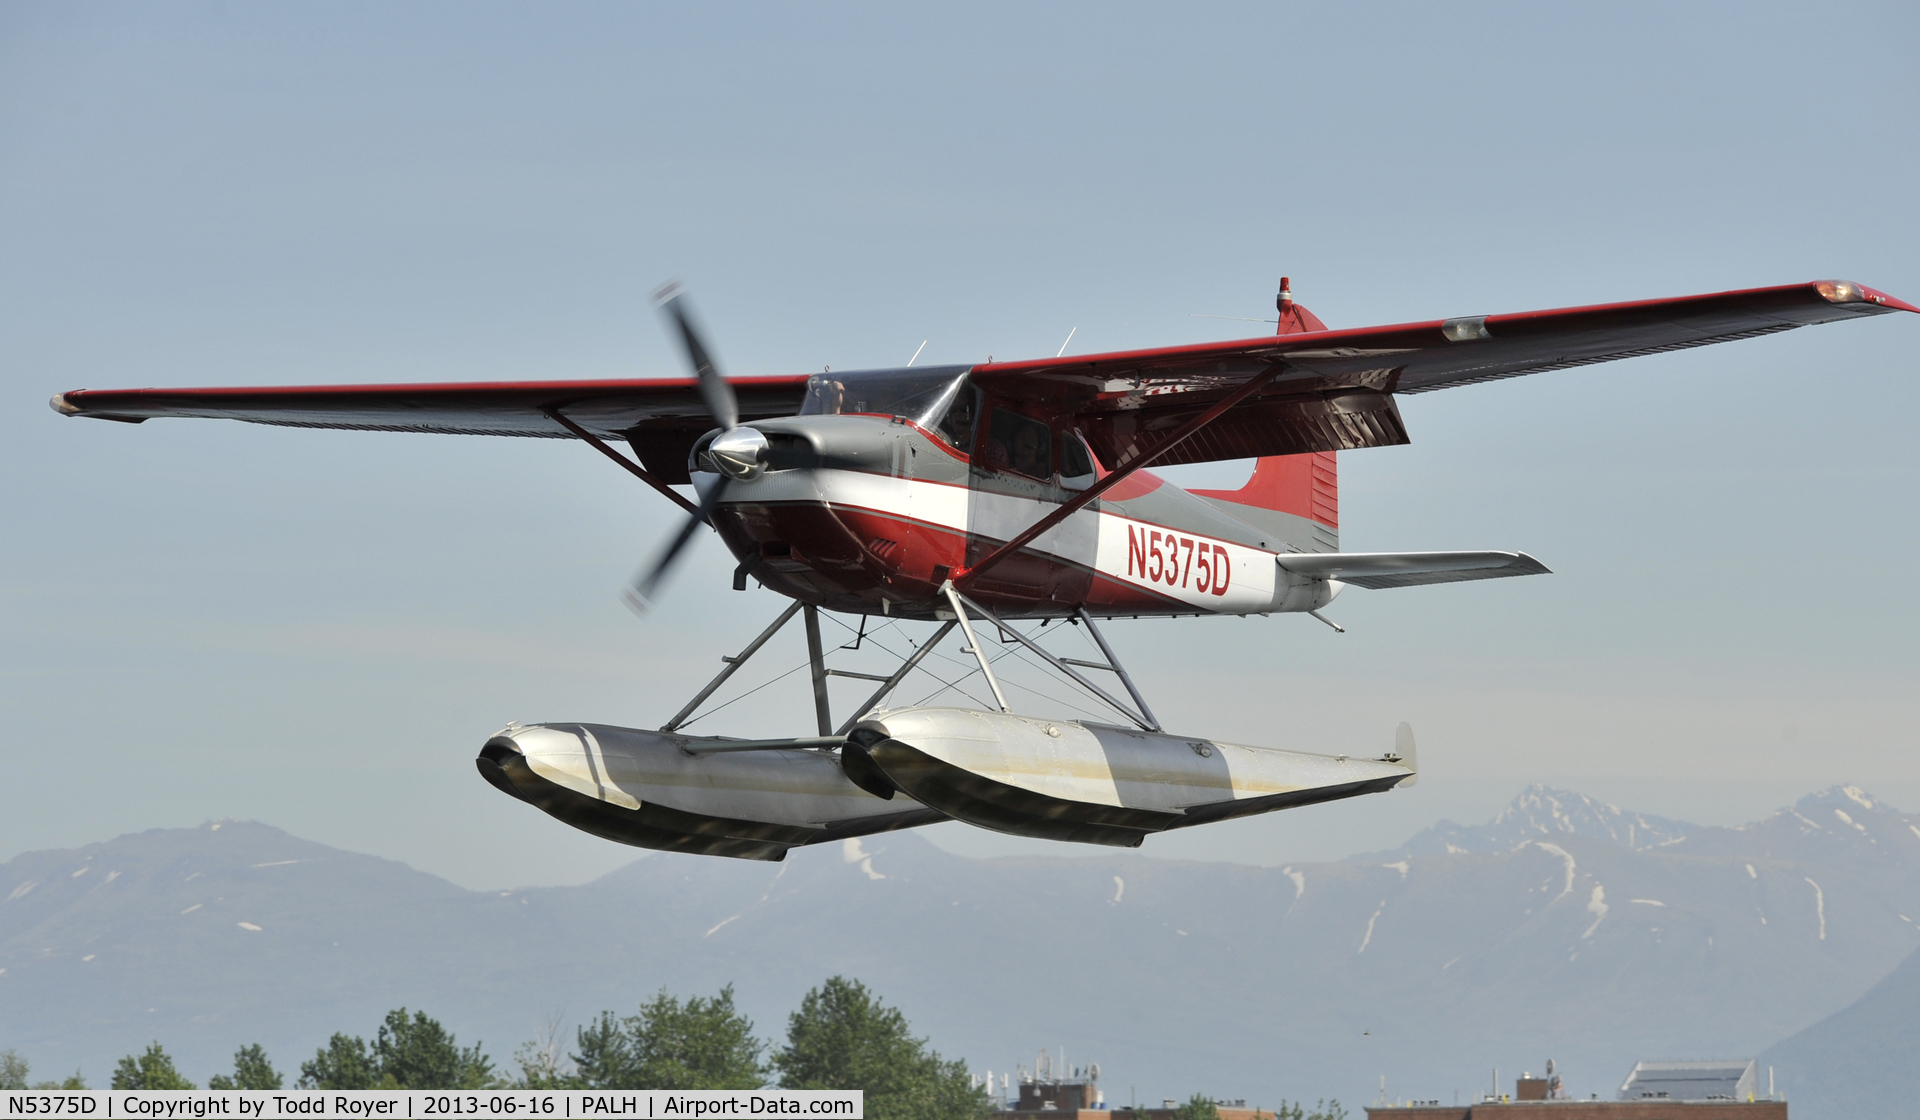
x,y
1306,487
1295,497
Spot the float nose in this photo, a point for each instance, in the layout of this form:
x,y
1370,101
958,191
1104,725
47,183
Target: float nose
x,y
494,760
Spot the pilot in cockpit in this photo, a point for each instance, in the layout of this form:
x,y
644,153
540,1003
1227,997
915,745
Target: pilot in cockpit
x,y
1029,451
831,394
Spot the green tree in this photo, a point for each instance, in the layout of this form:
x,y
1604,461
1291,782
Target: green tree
x,y
844,1038
1328,1110
699,1044
343,1063
604,1055
13,1070
251,1070
151,1070
409,1052
419,1053
74,1082
1198,1107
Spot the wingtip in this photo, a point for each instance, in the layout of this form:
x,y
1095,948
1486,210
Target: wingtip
x,y
1869,299
63,406
1885,300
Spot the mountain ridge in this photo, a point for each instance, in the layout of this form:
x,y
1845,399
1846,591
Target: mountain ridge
x,y
1305,980
1541,810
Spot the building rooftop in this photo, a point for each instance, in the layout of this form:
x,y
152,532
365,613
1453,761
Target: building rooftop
x,y
1689,1081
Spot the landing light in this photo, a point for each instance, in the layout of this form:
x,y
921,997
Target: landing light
x,y
1840,291
1469,328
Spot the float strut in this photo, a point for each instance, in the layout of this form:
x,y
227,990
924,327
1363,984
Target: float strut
x,y
816,660
733,665
897,677
1119,670
973,643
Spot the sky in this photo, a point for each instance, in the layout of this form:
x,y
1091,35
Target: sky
x,y
204,620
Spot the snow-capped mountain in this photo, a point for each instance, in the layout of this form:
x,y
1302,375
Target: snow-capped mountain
x,y
1544,812
1843,823
1563,929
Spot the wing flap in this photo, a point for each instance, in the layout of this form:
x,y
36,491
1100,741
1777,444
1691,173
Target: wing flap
x,y
1380,570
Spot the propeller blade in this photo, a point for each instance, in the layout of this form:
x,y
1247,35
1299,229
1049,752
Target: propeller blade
x,y
715,393
724,409
640,593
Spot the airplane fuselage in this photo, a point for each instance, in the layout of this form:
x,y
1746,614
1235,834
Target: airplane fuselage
x,y
871,515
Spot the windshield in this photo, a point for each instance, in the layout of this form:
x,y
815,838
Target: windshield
x,y
920,395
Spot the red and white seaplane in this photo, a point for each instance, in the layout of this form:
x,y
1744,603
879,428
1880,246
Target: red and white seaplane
x,y
981,497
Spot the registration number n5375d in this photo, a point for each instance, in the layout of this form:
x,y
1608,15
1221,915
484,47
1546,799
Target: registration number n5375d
x,y
1177,561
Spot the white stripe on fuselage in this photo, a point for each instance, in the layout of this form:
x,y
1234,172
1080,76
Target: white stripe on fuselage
x,y
1096,539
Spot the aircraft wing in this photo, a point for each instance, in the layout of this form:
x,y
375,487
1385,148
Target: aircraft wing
x,y
660,417
1325,390
1335,390
1379,570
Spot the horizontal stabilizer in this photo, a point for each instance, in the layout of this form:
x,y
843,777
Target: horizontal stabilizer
x,y
1378,570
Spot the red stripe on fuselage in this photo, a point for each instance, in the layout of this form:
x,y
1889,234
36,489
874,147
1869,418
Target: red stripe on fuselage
x,y
833,559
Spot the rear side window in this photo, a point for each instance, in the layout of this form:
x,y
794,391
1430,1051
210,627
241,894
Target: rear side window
x,y
1019,444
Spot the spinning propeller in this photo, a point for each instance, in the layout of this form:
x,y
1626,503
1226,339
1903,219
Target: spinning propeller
x,y
739,453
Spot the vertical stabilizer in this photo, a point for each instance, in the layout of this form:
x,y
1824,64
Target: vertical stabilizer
x,y
1294,497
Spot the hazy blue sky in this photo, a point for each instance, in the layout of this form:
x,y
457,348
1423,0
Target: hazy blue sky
x,y
319,629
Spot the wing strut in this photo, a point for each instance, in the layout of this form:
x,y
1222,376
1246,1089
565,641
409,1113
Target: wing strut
x,y
1079,501
632,467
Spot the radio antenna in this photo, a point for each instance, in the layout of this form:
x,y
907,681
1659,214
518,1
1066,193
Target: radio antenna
x,y
1063,345
916,353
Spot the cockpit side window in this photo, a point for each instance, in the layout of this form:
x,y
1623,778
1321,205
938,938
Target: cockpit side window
x,y
956,427
1019,444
